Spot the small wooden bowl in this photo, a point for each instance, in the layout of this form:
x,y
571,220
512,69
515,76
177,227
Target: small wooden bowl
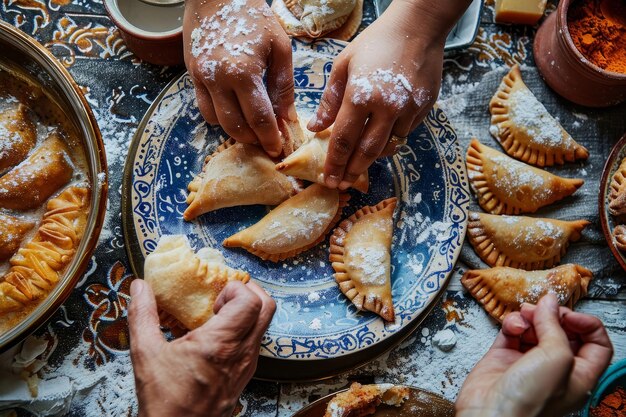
x,y
618,153
567,71
153,33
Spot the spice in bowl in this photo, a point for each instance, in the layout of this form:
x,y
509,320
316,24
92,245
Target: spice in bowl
x,y
598,29
612,405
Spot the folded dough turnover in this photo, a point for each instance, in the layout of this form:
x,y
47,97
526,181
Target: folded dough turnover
x,y
617,194
33,181
237,174
362,400
502,290
526,130
360,253
307,162
506,186
17,135
37,266
186,284
619,237
521,242
12,232
293,227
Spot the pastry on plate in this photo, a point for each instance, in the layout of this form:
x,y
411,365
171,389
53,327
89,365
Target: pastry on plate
x,y
17,135
362,400
506,186
521,242
186,284
526,130
337,19
237,174
502,290
33,181
619,237
12,232
617,194
293,227
307,162
360,253
37,266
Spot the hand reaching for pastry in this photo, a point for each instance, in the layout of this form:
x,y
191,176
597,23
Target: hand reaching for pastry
x,y
229,46
383,83
204,372
543,363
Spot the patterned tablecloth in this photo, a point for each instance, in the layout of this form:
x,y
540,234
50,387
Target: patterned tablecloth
x,y
87,338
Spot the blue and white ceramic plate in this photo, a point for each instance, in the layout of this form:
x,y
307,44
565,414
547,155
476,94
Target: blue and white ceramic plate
x,y
313,319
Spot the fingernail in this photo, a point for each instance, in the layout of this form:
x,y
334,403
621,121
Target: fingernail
x,y
292,113
551,301
344,185
312,123
274,154
521,324
136,287
332,181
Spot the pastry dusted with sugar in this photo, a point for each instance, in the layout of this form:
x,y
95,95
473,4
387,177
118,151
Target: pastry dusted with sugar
x,y
17,135
186,284
12,232
338,19
362,400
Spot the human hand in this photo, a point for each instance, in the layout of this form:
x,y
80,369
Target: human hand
x,y
383,83
204,372
228,48
544,362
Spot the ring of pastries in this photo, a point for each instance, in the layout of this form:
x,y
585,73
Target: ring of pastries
x,y
617,205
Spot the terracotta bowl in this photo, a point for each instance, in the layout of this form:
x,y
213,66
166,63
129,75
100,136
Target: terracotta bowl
x,y
618,153
153,33
24,55
567,71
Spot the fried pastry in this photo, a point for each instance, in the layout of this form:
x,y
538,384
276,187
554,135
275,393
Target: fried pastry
x,y
360,253
617,194
526,130
37,266
362,400
33,181
237,174
338,19
17,136
293,134
293,227
502,290
619,237
307,162
506,186
521,242
12,232
186,284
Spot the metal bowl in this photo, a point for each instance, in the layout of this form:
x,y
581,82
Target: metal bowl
x,y
24,54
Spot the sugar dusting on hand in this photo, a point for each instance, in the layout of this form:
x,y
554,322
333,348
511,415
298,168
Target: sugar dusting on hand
x,y
394,88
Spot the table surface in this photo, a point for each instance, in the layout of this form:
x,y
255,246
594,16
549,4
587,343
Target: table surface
x,y
89,335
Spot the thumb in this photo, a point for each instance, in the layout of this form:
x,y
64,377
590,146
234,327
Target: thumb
x,y
332,97
143,318
547,322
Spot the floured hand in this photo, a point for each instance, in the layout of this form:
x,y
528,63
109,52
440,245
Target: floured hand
x,y
229,46
383,83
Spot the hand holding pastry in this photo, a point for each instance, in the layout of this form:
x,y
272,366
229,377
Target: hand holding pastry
x,y
229,46
543,363
382,84
204,372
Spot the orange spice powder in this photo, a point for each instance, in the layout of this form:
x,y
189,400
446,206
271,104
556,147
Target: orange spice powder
x,y
612,405
598,29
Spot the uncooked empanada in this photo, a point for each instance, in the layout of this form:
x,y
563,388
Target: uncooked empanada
x,y
186,284
12,232
293,134
506,186
33,181
307,162
619,237
502,290
521,242
337,19
293,227
360,252
17,136
362,400
617,195
37,266
526,130
237,174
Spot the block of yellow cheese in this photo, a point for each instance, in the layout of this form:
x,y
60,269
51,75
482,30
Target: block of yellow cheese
x,y
525,12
